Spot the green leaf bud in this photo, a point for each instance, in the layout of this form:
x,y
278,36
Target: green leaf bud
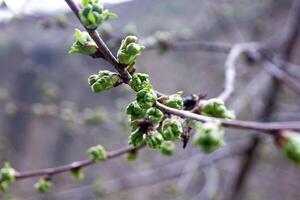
x,y
105,80
128,40
154,139
167,148
95,116
146,98
216,108
209,136
7,176
171,129
135,111
132,155
174,101
154,115
93,14
290,145
43,185
4,186
78,174
93,79
97,153
129,50
83,44
140,81
136,138
162,37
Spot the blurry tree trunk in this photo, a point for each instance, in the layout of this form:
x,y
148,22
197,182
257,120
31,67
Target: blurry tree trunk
x,y
17,124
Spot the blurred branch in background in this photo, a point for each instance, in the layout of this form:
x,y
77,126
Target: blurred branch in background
x,y
288,45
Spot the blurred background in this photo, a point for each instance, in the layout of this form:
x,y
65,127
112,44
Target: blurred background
x,y
49,116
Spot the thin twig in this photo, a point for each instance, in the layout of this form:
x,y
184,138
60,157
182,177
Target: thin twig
x,y
102,47
72,166
267,127
230,67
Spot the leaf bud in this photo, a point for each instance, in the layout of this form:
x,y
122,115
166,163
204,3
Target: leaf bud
x,y
171,129
154,139
97,153
208,136
146,98
216,108
154,115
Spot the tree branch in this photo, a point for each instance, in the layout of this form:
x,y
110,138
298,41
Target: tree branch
x,y
72,166
107,54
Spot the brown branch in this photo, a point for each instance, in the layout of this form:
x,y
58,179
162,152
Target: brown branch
x,y
267,127
190,46
169,171
230,67
72,166
107,54
282,76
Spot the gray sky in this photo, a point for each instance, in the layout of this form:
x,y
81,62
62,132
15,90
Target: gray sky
x,y
29,7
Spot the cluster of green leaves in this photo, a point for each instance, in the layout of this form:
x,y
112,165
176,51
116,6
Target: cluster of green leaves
x,y
216,108
129,50
174,101
93,14
43,185
7,176
148,123
78,174
291,146
104,80
97,153
209,136
83,44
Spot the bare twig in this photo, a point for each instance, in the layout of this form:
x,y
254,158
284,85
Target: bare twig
x,y
230,67
267,127
72,166
283,76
